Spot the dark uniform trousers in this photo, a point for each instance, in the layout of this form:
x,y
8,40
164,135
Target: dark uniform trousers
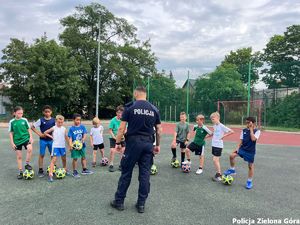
x,y
138,149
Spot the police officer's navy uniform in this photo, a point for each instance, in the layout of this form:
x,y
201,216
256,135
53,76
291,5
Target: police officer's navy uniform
x,y
141,117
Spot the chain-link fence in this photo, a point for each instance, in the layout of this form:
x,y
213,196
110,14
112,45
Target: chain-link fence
x,y
224,91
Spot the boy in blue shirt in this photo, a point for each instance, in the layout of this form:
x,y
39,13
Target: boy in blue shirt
x,y
78,132
246,149
44,123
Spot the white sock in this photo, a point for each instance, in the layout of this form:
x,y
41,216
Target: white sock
x,y
249,179
232,168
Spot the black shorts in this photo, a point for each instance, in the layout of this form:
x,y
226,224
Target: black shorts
x,y
100,146
216,151
198,149
181,144
112,143
19,147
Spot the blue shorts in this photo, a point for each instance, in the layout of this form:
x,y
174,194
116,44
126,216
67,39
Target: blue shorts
x,y
44,144
246,155
58,152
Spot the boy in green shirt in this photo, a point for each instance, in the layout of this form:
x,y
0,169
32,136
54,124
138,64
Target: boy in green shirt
x,y
113,131
197,146
20,136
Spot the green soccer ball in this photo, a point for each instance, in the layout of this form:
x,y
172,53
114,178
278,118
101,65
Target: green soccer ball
x,y
54,169
28,174
175,163
77,145
153,170
227,179
60,173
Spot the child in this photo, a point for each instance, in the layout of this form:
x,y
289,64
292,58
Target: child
x,y
197,146
44,123
78,132
96,138
246,149
154,144
59,137
113,130
181,137
20,136
220,132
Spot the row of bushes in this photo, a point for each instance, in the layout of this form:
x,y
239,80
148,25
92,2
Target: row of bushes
x,y
285,113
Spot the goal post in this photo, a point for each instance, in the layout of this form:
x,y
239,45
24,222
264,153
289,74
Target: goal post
x,y
235,112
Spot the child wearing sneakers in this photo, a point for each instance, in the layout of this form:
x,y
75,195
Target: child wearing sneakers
x,y
20,136
96,138
78,132
44,123
181,137
59,137
220,132
197,146
113,127
246,149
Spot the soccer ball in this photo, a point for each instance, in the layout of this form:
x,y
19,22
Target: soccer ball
x,y
104,161
186,168
28,174
60,173
175,163
227,179
54,169
77,145
153,170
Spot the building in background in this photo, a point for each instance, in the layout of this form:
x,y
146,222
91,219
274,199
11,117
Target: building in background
x,y
192,87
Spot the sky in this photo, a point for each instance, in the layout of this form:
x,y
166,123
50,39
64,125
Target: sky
x,y
186,35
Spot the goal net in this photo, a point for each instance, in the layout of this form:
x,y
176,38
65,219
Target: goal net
x,y
235,112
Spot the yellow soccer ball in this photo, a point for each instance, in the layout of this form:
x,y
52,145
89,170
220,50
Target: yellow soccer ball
x,y
28,174
77,145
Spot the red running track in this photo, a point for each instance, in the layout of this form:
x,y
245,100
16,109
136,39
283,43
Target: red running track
x,y
266,137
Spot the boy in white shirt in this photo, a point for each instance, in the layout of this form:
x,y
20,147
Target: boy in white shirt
x,y
220,132
60,137
96,138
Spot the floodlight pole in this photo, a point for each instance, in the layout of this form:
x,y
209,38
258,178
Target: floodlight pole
x,y
148,88
248,87
133,88
188,96
98,70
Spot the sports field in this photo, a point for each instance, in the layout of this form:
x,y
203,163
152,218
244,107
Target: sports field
x,y
175,198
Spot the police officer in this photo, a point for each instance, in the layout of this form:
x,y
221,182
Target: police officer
x,y
141,117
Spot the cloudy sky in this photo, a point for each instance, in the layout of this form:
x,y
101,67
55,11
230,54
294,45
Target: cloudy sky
x,y
185,35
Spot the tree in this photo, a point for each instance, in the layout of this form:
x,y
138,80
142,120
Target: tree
x,y
222,84
241,58
288,109
282,56
164,94
39,74
14,70
123,57
162,90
